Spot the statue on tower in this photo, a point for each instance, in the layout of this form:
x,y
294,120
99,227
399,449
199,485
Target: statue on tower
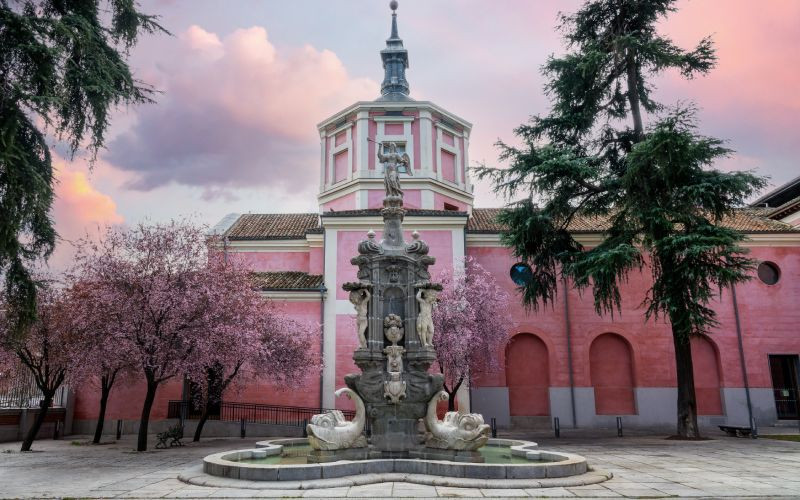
x,y
391,169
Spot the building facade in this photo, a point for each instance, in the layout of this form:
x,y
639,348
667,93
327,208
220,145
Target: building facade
x,y
561,361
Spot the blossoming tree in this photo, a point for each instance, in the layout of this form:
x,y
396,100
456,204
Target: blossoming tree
x,y
178,310
471,324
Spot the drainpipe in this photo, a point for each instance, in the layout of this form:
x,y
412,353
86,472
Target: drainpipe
x,y
741,359
568,328
322,291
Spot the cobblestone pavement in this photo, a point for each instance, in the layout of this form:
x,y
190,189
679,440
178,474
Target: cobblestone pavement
x,y
643,466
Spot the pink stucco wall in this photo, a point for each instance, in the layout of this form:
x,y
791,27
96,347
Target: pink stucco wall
x,y
768,314
273,261
341,163
127,396
439,200
448,164
344,202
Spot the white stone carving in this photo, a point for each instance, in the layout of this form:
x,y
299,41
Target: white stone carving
x,y
360,299
426,297
458,431
330,431
395,388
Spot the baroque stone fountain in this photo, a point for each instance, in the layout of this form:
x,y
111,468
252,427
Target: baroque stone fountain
x,y
395,393
394,298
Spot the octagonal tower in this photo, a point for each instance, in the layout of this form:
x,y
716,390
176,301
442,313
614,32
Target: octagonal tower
x,y
436,141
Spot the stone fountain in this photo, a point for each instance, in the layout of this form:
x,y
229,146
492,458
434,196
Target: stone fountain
x,y
395,394
394,298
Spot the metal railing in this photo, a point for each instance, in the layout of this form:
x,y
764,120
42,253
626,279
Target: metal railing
x,y
256,413
18,390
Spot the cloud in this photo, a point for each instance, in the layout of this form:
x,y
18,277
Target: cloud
x,y
236,112
79,208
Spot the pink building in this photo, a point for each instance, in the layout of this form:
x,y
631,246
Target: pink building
x,y
563,361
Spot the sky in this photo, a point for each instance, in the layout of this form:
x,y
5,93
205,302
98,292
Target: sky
x,y
242,84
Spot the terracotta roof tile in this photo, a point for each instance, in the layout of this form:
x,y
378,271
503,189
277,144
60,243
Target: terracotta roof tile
x,y
287,280
748,220
273,226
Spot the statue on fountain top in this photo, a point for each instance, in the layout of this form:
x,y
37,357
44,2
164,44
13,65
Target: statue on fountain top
x,y
391,164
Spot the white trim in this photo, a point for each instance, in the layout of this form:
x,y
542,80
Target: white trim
x,y
344,307
401,105
426,199
329,322
445,189
362,129
594,239
792,218
414,222
315,240
290,296
279,246
449,130
458,249
393,118
425,141
772,239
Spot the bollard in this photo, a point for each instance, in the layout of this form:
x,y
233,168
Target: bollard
x,y
243,429
619,426
119,430
557,427
493,424
305,427
56,429
753,428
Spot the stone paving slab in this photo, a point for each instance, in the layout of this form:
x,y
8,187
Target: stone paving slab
x,y
643,466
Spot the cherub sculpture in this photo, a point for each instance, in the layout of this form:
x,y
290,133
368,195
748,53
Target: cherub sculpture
x,y
360,299
426,297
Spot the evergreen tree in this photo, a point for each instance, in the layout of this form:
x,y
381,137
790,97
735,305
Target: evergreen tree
x,y
62,70
593,156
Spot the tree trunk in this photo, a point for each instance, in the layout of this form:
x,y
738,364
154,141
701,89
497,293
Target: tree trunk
x,y
633,94
687,402
200,423
105,391
44,407
451,401
144,422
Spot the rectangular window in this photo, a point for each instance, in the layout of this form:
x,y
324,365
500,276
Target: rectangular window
x,y
448,161
340,163
783,369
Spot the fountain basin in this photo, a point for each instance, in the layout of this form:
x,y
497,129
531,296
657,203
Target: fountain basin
x,y
506,459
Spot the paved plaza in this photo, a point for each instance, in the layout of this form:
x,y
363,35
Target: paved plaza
x,y
643,466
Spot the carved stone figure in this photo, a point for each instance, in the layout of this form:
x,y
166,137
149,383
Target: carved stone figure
x,y
458,431
330,431
360,299
394,389
391,163
426,297
393,328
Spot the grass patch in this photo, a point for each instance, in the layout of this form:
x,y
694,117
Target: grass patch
x,y
782,437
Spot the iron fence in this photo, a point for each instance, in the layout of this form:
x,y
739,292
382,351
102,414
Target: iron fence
x,y
18,390
255,413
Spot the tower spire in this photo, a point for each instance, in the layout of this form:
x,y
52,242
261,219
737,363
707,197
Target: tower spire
x,y
395,62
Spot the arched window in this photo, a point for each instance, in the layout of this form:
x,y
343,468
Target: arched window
x,y
528,376
611,366
706,377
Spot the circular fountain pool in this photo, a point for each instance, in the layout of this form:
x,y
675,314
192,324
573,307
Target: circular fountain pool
x,y
281,463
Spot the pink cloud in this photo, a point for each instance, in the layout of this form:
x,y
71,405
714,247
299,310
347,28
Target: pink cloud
x,y
79,208
236,112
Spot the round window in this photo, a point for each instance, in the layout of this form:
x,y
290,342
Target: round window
x,y
521,274
769,273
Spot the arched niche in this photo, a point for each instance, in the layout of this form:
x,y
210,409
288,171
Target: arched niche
x,y
611,370
528,375
706,371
